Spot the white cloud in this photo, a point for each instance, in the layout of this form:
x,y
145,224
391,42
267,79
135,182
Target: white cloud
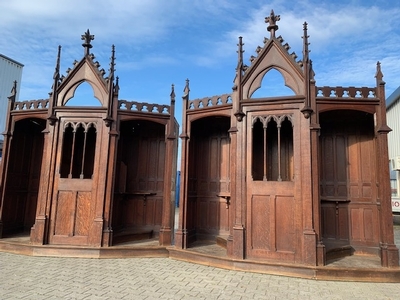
x,y
63,18
196,34
346,40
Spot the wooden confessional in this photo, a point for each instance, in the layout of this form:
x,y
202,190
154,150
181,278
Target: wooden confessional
x,y
96,175
297,179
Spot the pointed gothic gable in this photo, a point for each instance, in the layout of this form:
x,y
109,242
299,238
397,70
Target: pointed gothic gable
x,y
274,55
85,70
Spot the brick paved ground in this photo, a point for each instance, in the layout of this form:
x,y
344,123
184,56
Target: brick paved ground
x,y
25,277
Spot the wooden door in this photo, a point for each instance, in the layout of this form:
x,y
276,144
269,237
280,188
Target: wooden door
x,y
74,194
270,188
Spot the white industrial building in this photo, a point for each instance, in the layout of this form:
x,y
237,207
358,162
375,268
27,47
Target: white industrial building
x,y
10,71
393,120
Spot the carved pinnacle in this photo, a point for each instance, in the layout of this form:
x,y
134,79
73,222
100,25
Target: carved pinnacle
x,y
306,51
172,92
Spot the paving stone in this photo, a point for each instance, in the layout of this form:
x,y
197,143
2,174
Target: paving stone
x,y
26,277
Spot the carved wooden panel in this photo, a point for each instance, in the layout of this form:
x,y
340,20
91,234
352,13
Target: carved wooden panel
x,y
13,208
138,212
149,168
363,230
24,166
212,216
191,219
209,183
64,216
262,223
348,189
73,213
335,224
83,215
154,211
134,211
334,167
285,235
139,183
361,167
272,231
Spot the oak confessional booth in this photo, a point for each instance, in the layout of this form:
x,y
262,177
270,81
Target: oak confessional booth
x,y
93,175
296,179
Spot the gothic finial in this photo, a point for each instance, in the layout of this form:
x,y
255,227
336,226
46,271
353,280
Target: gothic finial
x,y
57,69
306,51
56,76
240,66
112,61
379,74
240,50
186,90
87,38
272,19
113,52
172,92
13,92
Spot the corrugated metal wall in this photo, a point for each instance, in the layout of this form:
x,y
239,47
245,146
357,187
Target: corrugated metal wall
x,y
393,120
10,71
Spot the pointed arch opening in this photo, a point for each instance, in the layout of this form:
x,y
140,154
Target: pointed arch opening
x,y
78,152
83,96
272,85
272,148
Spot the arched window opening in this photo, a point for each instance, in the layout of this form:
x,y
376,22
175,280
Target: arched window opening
x,y
286,150
258,151
83,96
272,149
90,149
78,151
66,151
272,85
77,157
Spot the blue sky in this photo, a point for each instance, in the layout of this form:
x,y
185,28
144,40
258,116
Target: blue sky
x,y
163,42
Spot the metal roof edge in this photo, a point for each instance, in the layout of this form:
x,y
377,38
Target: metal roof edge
x,y
12,60
393,98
